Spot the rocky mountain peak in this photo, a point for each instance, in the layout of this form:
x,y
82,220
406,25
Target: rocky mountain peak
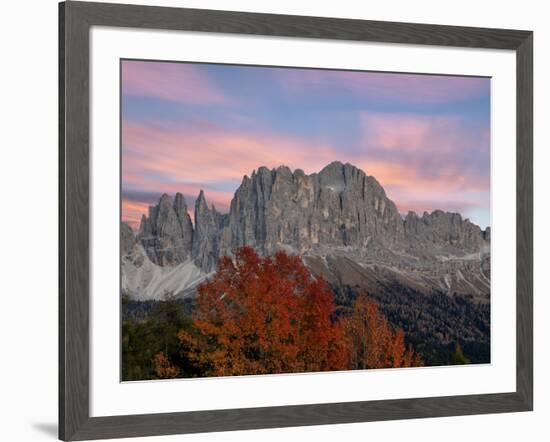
x,y
444,231
167,233
209,224
338,208
201,199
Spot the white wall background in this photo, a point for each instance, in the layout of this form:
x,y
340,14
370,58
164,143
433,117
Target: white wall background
x,y
28,220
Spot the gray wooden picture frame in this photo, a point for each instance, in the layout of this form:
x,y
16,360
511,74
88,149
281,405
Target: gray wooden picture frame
x,y
75,21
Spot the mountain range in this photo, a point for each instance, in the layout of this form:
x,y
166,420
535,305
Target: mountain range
x,y
429,273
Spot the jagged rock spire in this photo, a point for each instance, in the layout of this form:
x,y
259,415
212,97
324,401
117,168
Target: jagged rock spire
x,y
167,233
208,229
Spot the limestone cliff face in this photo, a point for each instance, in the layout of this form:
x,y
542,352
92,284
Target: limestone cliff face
x,y
209,225
338,207
167,233
445,231
337,211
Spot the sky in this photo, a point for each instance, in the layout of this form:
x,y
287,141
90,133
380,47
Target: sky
x,y
189,126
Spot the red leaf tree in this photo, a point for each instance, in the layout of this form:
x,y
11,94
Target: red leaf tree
x,y
371,341
262,315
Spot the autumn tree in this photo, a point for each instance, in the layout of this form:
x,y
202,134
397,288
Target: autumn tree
x,y
371,341
262,315
164,369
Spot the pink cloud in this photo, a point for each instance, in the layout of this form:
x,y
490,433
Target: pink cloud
x,y
417,88
410,132
426,149
426,162
400,131
132,211
412,191
211,153
178,82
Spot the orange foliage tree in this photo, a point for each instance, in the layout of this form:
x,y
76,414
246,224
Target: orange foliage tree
x,y
163,368
371,341
262,315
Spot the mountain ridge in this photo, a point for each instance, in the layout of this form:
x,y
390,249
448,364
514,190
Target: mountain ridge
x,y
338,207
429,273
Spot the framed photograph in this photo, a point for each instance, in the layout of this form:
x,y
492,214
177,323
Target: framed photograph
x,y
271,221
